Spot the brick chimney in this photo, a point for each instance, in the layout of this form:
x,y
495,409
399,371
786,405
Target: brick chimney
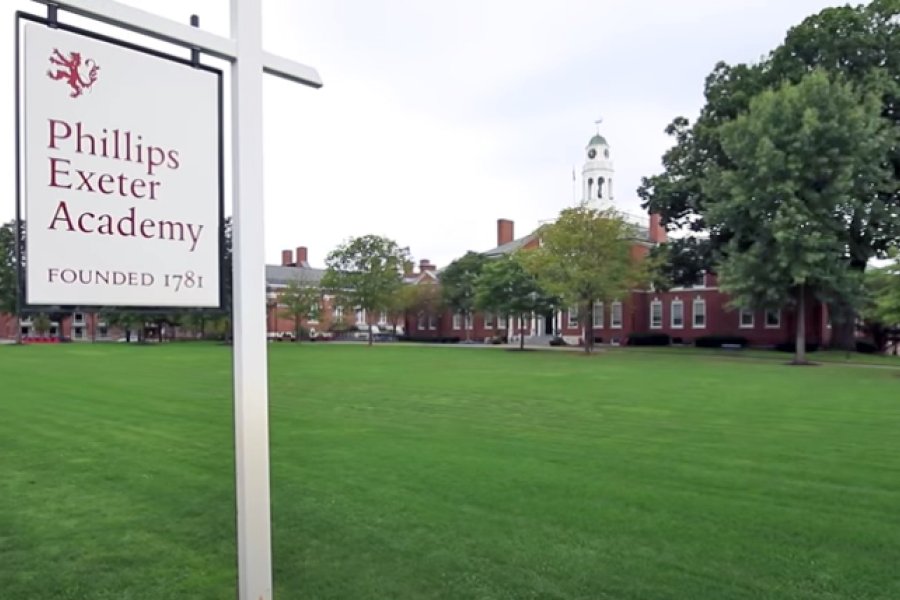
x,y
657,231
425,265
287,258
302,259
504,231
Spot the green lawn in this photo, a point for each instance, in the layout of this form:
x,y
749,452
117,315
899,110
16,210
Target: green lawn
x,y
451,473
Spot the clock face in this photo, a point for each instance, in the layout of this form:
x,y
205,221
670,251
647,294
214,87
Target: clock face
x,y
592,153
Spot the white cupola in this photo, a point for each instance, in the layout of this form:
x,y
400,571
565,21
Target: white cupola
x,y
597,174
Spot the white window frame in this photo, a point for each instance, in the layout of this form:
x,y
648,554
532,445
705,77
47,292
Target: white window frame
x,y
680,304
741,313
488,321
777,313
615,310
470,322
653,323
501,322
338,312
361,316
457,321
420,321
598,315
694,313
432,322
570,313
78,317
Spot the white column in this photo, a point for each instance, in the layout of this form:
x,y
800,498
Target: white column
x,y
250,367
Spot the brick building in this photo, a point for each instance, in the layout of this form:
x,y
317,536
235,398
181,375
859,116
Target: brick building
x,y
684,313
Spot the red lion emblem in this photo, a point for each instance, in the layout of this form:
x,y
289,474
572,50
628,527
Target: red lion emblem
x,y
71,71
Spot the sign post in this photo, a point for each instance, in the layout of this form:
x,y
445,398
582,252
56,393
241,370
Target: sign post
x,y
248,62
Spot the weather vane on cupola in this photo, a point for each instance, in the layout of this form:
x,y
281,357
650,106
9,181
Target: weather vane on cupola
x,y
597,122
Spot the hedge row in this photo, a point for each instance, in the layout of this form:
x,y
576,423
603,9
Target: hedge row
x,y
428,339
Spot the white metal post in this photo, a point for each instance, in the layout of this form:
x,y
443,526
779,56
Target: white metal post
x,y
250,364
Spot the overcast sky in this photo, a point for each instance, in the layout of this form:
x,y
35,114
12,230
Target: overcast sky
x,y
436,119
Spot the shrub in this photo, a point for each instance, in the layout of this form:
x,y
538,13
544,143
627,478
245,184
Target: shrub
x,y
792,347
717,341
866,347
558,341
649,339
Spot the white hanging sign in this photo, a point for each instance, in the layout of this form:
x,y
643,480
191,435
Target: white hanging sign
x,y
121,190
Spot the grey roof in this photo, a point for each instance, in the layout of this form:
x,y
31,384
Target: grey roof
x,y
598,139
510,247
280,275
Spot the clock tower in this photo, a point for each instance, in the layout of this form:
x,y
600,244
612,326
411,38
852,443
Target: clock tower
x,y
597,174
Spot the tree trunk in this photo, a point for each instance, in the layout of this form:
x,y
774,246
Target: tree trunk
x,y
159,334
465,325
128,335
586,332
521,333
18,327
93,327
370,334
800,350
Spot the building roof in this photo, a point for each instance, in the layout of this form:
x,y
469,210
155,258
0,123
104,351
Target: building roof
x,y
280,275
510,247
598,139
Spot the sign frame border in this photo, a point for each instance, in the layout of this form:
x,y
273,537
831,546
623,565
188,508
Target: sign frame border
x,y
24,307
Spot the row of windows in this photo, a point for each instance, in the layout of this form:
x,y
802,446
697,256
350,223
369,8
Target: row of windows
x,y
615,316
746,318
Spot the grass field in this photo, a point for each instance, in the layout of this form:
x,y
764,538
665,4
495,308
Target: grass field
x,y
451,473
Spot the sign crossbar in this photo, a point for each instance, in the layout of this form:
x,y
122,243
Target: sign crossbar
x,y
160,28
248,63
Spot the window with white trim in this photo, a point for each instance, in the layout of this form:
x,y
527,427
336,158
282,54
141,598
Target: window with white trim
x,y
338,312
598,315
360,315
656,314
615,315
469,321
384,318
488,320
699,312
573,317
457,321
432,322
773,319
746,318
420,322
79,317
501,322
677,312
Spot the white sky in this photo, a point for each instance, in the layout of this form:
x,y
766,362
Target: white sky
x,y
436,119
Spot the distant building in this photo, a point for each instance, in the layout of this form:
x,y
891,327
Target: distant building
x,y
684,313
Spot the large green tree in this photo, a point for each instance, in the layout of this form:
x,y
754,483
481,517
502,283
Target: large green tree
x,y
365,273
505,286
860,43
797,159
8,273
300,299
458,283
585,257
